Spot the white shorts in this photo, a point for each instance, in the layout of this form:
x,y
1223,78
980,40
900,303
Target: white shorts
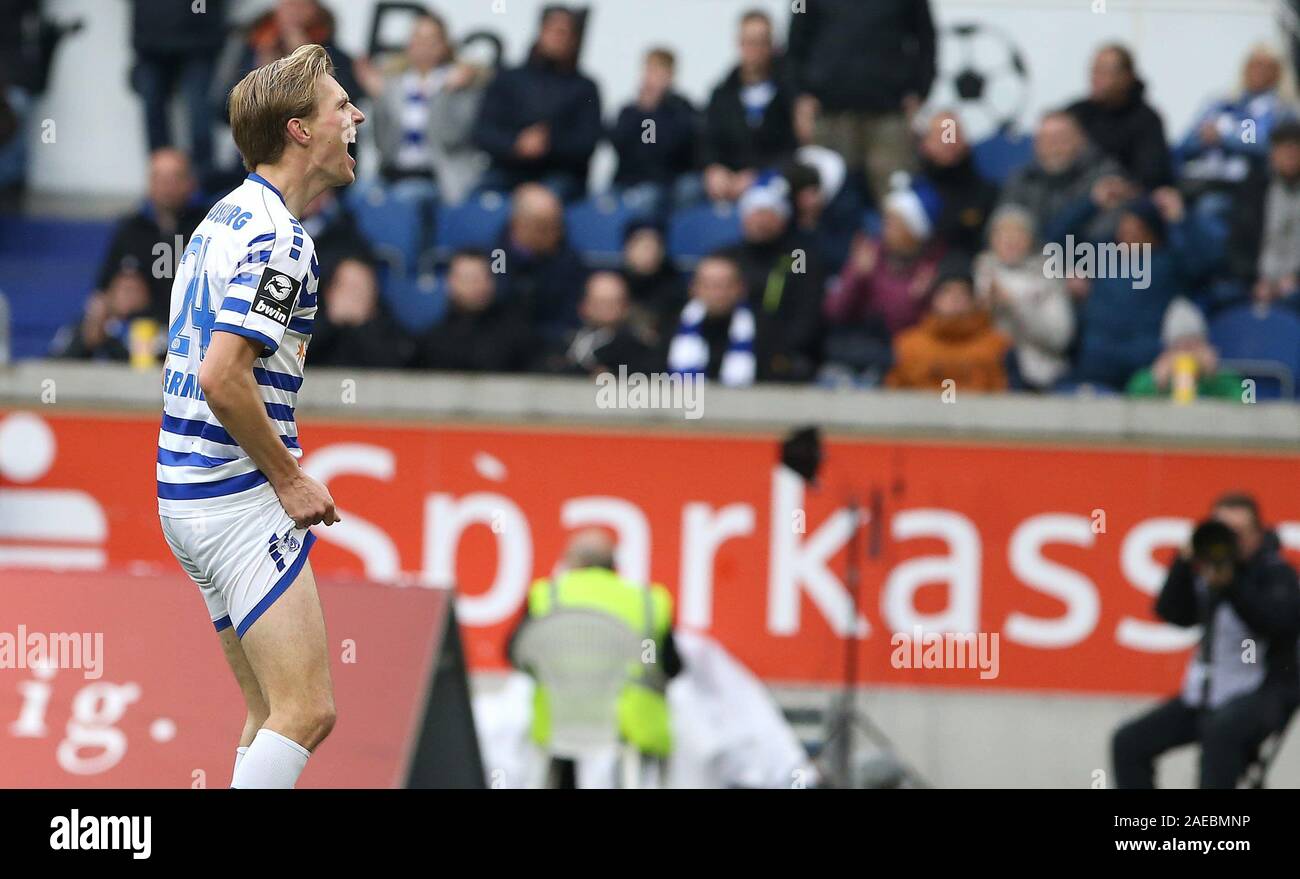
x,y
241,561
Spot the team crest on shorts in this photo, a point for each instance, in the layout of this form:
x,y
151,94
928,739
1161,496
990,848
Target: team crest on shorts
x,y
280,545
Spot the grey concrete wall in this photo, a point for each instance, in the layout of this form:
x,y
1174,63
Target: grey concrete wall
x,y
347,394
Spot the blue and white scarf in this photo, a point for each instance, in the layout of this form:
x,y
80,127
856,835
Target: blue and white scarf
x,y
688,353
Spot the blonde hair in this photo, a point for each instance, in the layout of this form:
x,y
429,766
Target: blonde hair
x,y
267,98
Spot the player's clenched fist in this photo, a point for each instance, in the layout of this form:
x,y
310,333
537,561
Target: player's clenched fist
x,y
307,501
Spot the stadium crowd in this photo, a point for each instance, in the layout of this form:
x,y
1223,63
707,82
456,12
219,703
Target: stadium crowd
x,y
872,250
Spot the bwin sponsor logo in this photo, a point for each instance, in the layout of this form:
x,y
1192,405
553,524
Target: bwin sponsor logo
x,y
278,315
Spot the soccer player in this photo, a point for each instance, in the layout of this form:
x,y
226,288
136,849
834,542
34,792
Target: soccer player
x,y
235,504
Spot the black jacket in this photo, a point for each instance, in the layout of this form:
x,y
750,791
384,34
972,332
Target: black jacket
x,y
1246,226
133,246
546,288
169,27
730,140
1133,134
589,351
1266,597
540,91
863,55
672,152
377,344
787,305
968,200
496,339
658,297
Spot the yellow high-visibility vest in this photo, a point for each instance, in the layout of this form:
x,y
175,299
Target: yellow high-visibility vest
x,y
642,708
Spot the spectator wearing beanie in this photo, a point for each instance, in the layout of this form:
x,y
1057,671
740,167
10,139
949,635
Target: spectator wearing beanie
x,y
826,210
886,279
1184,335
785,283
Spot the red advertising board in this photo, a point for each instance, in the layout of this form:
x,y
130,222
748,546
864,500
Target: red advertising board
x,y
151,703
1057,550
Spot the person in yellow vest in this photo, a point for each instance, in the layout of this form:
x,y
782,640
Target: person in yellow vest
x,y
588,580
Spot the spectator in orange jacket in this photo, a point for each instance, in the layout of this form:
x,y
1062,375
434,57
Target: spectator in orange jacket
x,y
955,340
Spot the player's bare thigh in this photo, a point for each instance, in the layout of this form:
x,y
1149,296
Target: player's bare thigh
x,y
288,653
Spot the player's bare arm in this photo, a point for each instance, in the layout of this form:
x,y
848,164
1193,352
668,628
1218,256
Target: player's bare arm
x,y
226,378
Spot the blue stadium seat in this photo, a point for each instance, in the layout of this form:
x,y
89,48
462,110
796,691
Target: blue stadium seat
x,y
47,269
416,303
476,222
702,229
395,219
1261,343
595,225
1000,156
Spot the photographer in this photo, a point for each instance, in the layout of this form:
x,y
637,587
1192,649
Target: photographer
x,y
1241,685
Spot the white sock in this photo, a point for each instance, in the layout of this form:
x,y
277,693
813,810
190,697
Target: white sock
x,y
239,756
272,761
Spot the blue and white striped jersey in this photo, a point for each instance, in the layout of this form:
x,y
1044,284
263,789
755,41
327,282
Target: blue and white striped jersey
x,y
249,268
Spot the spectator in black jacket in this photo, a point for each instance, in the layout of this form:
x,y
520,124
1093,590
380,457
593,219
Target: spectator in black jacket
x,y
863,69
607,340
968,199
785,283
543,274
1264,241
177,46
352,327
479,332
655,138
1234,583
541,122
749,123
1117,118
152,239
657,290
